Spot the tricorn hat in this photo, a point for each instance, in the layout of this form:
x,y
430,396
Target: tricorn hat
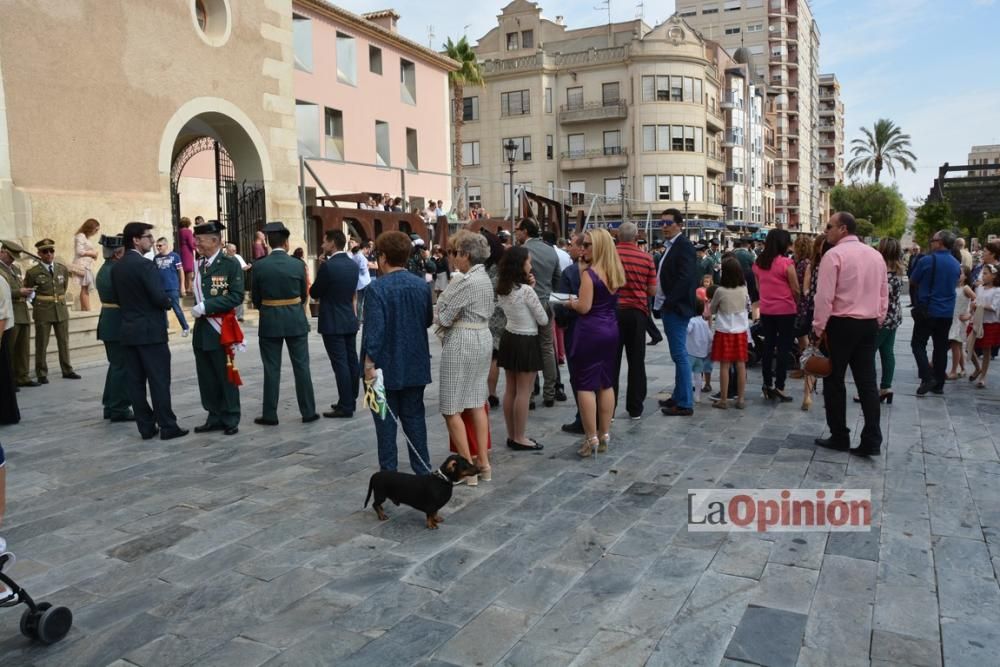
x,y
210,227
277,227
46,244
112,242
12,247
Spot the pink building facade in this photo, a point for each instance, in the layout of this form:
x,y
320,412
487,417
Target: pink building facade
x,y
373,101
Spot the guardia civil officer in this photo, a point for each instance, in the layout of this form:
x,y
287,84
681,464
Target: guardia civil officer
x,y
143,304
218,290
279,290
117,407
50,278
21,338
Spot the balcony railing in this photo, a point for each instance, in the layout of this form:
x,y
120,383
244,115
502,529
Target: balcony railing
x,y
729,101
731,138
593,152
595,158
591,111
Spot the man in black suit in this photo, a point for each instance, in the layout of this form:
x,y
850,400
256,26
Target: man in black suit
x,y
336,288
675,299
138,290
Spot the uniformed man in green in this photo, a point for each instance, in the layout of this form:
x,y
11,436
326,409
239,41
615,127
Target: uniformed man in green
x,y
50,279
117,406
218,290
279,292
21,339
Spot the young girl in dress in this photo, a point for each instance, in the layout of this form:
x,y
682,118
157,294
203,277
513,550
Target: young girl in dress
x,y
956,337
988,312
729,345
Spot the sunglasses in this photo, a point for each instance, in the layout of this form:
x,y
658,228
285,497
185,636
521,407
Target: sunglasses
x,y
829,227
46,251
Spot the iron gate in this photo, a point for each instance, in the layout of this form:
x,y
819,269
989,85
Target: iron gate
x,y
225,180
247,213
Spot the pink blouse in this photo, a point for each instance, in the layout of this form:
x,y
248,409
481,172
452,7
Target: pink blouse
x,y
775,293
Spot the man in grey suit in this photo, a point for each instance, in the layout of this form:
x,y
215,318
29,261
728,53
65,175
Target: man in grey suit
x,y
336,288
545,268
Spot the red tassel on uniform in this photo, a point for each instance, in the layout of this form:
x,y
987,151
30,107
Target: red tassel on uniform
x,y
233,373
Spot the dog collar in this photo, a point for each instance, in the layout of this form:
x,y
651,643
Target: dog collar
x,y
438,473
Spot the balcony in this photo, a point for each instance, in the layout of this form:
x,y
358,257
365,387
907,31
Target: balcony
x,y
778,57
715,162
731,139
731,179
775,8
714,119
610,157
729,101
593,111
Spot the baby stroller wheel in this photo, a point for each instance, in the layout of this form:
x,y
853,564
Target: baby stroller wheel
x,y
54,624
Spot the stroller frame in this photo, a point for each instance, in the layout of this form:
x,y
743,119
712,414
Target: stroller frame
x,y
40,621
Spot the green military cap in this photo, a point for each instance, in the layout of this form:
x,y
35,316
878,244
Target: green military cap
x,y
12,247
46,244
112,242
210,227
276,228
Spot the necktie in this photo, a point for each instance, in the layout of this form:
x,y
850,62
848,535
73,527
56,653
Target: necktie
x,y
51,273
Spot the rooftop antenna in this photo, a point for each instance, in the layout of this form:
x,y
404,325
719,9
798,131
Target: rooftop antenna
x,y
465,29
430,37
607,3
640,10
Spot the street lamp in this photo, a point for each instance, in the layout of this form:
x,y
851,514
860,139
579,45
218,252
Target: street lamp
x,y
511,149
687,197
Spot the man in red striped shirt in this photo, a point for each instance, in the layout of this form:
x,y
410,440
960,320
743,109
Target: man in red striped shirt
x,y
633,312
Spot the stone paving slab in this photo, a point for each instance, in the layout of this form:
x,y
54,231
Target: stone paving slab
x,y
255,550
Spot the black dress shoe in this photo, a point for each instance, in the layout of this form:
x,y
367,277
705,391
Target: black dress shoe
x,y
654,341
150,435
208,428
232,430
834,443
865,451
548,403
176,433
518,447
576,428
494,401
265,422
43,380
311,418
123,418
924,388
29,383
677,411
668,403
560,395
337,413
72,376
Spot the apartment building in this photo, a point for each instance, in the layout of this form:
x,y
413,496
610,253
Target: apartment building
x,y
783,42
372,104
831,132
600,111
988,154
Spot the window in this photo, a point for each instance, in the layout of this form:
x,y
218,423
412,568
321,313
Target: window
x,y
523,151
347,71
574,98
697,96
732,6
609,93
514,103
663,188
550,188
334,122
648,188
656,88
689,90
733,30
699,140
710,9
548,147
475,194
577,192
649,137
470,153
687,12
689,139
512,41
548,100
663,137
755,27
612,142
612,189
575,145
407,81
302,42
382,143
470,108
677,138
412,162
307,122
676,89
656,188
527,39
374,59
677,186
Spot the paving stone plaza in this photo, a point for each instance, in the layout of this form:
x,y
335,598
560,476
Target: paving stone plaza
x,y
255,549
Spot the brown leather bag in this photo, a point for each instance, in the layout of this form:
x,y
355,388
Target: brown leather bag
x,y
814,362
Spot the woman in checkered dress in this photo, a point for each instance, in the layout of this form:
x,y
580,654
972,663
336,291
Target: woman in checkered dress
x,y
464,311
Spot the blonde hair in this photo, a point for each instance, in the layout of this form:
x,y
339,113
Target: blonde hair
x,y
605,259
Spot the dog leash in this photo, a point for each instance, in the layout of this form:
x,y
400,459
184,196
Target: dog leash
x,y
371,400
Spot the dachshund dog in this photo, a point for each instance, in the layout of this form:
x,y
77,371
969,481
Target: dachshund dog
x,y
427,493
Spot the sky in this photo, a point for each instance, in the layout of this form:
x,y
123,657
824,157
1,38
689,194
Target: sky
x,y
930,66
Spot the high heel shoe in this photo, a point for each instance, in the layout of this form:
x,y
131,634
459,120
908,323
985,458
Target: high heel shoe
x,y
885,397
486,474
807,402
767,393
587,448
603,442
494,401
781,396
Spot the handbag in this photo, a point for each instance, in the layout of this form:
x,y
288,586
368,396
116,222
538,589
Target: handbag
x,y
920,310
814,362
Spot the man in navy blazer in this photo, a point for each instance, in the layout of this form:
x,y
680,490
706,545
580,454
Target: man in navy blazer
x,y
336,288
138,291
675,299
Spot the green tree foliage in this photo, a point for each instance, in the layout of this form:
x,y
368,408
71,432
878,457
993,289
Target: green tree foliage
x,y
931,217
883,147
991,226
865,228
469,73
881,205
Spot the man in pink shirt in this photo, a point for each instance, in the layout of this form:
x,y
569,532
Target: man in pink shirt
x,y
852,297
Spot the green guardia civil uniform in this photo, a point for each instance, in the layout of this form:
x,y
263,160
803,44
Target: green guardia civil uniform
x,y
21,333
50,282
222,291
109,325
279,292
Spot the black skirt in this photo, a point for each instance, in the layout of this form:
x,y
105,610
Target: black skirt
x,y
520,352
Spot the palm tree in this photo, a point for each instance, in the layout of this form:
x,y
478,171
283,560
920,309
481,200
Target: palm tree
x,y
885,148
468,74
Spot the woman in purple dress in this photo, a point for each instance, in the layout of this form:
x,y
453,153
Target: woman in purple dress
x,y
186,247
593,353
